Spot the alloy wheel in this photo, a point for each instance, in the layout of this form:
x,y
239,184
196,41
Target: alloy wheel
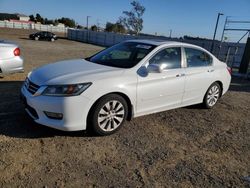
x,y
111,116
213,95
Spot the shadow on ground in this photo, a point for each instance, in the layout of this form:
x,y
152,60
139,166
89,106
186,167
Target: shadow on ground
x,y
58,37
240,84
14,122
25,38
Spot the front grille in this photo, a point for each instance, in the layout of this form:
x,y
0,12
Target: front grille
x,y
30,86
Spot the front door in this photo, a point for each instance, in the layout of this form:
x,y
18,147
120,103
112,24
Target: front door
x,y
158,91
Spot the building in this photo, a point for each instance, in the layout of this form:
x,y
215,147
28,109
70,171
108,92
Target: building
x,y
15,18
23,17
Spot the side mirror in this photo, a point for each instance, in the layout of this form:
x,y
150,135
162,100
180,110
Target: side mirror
x,y
156,68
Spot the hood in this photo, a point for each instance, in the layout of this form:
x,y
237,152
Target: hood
x,y
71,72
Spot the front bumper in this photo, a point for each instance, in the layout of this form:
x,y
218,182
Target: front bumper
x,y
74,109
12,65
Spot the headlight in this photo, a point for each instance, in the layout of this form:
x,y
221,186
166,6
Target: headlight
x,y
65,90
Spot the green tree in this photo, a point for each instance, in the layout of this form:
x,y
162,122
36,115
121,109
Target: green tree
x,y
32,18
49,22
93,28
39,18
117,27
56,22
132,20
67,22
79,27
109,27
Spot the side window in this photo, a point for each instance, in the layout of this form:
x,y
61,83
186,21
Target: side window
x,y
141,53
197,58
169,56
42,34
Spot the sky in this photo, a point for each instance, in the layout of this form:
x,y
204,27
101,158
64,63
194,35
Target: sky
x,y
183,17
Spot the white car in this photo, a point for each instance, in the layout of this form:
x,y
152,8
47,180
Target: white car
x,y
10,59
130,79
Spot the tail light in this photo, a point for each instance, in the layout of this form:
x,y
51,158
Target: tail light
x,y
229,70
17,52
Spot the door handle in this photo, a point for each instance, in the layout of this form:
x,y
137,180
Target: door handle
x,y
210,70
180,75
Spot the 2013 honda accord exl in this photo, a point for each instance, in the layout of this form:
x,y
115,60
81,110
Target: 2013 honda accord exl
x,y
130,79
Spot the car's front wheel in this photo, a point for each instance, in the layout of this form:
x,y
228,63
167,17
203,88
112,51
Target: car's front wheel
x,y
108,114
212,95
36,38
52,39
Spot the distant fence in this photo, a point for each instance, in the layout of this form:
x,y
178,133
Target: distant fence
x,y
40,27
229,52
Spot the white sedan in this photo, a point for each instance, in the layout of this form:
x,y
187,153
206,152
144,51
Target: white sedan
x,y
10,59
130,79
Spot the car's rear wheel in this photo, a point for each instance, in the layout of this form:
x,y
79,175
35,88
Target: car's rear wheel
x,y
36,38
108,114
212,95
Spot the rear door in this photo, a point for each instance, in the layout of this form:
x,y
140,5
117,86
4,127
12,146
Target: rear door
x,y
199,75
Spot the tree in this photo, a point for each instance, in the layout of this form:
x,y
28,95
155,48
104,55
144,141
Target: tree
x,y
117,27
39,18
49,22
109,27
133,19
93,28
32,18
56,22
79,27
67,22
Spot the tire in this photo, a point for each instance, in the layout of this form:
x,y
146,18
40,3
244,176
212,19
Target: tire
x,y
212,95
36,38
52,39
108,114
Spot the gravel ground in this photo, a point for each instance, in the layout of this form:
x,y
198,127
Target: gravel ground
x,y
186,147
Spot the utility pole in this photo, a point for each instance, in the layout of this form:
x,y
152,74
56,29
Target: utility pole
x,y
98,25
223,32
170,33
88,22
222,36
215,30
88,28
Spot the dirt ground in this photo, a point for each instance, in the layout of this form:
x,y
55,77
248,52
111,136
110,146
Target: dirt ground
x,y
186,147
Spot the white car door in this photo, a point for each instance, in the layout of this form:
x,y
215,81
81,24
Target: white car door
x,y
158,91
199,75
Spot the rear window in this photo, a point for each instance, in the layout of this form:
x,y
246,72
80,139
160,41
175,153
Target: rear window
x,y
197,58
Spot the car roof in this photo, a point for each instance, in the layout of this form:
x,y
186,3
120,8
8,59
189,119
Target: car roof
x,y
161,42
166,42
154,41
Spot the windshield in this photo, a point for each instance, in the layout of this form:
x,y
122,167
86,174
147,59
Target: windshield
x,y
122,55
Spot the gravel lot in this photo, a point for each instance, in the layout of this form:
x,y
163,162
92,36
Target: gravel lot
x,y
187,147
